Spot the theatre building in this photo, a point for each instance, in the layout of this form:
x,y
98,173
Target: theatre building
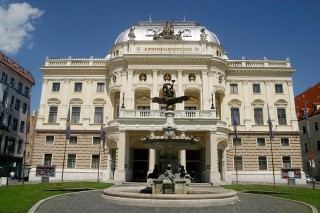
x,y
117,91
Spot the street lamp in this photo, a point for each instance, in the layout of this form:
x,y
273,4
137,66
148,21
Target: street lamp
x,y
3,130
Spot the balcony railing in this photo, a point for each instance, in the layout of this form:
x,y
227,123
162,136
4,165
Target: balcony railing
x,y
202,114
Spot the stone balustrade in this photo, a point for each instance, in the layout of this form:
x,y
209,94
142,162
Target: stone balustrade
x,y
258,63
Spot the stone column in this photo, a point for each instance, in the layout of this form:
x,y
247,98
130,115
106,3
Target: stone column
x,y
247,108
65,103
129,98
180,91
42,104
87,104
183,158
122,168
205,90
212,173
293,116
123,90
269,100
152,159
154,92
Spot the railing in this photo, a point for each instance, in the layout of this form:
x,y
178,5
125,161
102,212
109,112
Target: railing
x,y
76,62
258,63
202,114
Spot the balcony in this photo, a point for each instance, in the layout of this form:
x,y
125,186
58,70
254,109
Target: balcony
x,y
188,114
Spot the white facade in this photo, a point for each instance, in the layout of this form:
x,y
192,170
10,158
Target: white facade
x,y
143,58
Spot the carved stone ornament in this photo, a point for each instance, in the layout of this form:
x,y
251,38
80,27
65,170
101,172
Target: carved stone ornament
x,y
167,77
167,33
192,77
142,77
203,35
114,78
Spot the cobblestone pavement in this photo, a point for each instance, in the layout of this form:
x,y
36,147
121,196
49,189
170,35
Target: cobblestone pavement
x,y
91,201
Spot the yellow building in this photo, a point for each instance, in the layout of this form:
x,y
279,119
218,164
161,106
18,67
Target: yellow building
x,y
121,86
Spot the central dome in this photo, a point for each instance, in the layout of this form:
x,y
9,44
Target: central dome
x,y
190,31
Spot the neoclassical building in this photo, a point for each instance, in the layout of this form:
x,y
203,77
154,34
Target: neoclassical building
x,y
120,87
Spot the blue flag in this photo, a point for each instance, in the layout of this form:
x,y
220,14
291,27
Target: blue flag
x,y
235,123
68,128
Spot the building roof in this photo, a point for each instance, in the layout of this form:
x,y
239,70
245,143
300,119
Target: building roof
x,y
145,30
11,64
310,98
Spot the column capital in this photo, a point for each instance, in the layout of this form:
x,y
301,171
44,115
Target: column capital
x,y
67,80
45,81
89,81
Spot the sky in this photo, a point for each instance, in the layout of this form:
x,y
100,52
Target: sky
x,y
277,29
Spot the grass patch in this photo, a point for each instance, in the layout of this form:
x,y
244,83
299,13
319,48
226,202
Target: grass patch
x,y
307,195
20,198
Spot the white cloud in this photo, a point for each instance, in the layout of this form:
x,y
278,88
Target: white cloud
x,y
16,25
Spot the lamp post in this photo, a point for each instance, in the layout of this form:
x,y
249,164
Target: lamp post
x,y
3,130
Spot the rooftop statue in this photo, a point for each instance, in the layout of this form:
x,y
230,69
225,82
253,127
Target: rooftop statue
x,y
169,97
167,33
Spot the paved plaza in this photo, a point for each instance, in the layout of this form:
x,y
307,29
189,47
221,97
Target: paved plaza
x,y
92,201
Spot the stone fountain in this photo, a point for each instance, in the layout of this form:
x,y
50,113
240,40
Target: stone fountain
x,y
169,189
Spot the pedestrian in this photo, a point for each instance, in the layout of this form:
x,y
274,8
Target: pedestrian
x,y
11,176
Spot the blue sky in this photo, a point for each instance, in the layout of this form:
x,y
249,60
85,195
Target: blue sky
x,y
276,29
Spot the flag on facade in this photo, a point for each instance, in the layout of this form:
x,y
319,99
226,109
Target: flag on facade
x,y
306,117
102,136
68,128
270,126
235,123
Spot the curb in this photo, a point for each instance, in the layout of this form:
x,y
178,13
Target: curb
x,y
36,206
313,209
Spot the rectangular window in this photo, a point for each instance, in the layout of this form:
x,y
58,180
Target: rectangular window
x,y
286,162
53,111
75,116
100,87
49,139
12,102
261,142
15,124
11,146
71,164
9,122
284,141
26,91
55,87
98,111
19,149
4,77
304,130
236,114
306,147
318,145
256,88
5,99
258,116
22,123
47,160
20,85
78,87
237,162
262,163
73,140
237,142
233,88
12,82
96,140
95,161
24,108
17,105
278,88
282,119
316,127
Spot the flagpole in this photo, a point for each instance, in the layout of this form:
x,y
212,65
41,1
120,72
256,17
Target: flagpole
x,y
99,161
235,150
274,181
64,158
235,123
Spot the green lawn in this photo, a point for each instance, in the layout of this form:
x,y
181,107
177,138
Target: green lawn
x,y
20,198
307,195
